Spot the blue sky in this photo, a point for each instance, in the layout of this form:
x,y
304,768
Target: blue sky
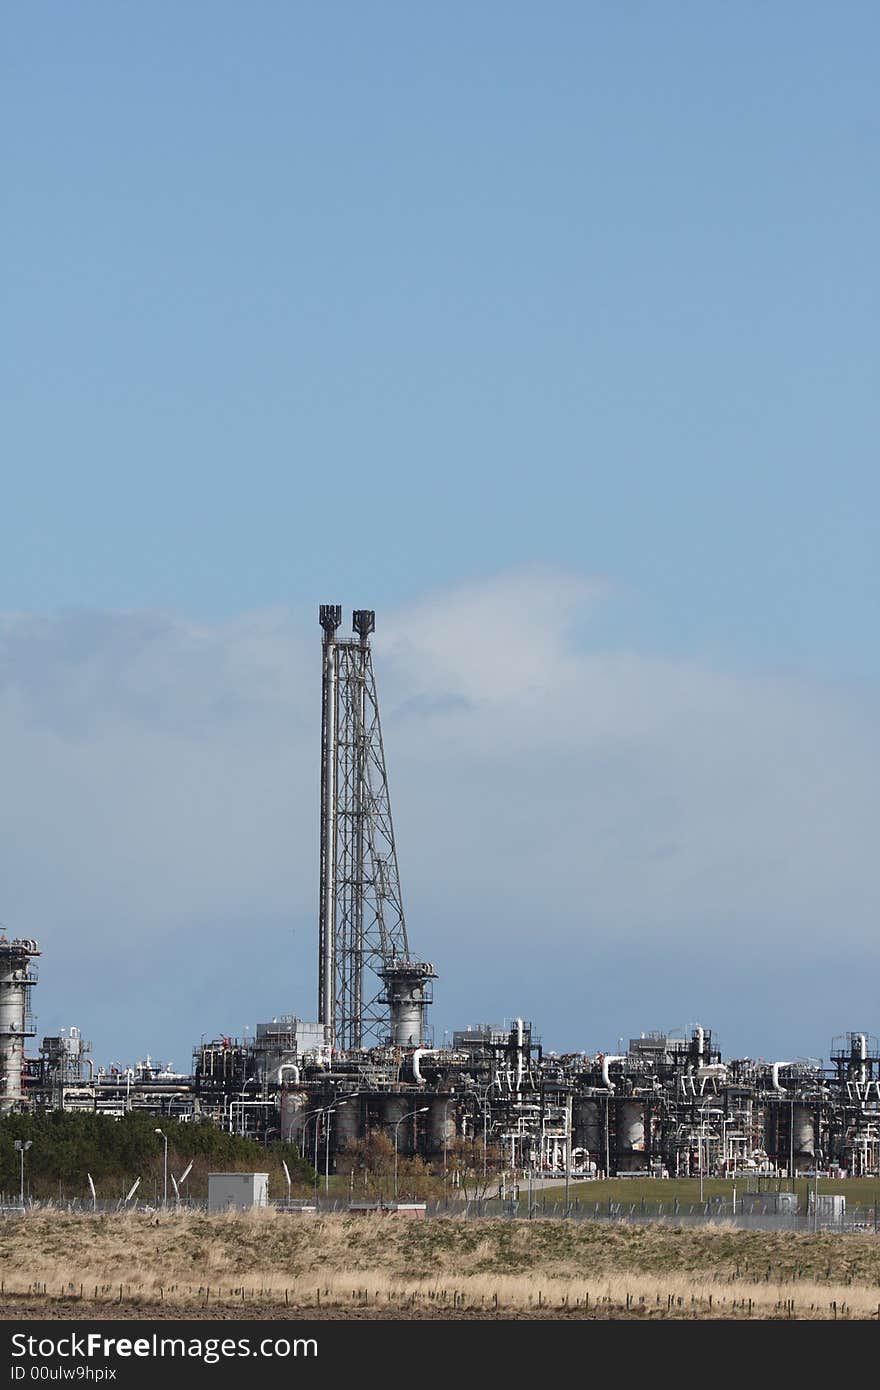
x,y
389,304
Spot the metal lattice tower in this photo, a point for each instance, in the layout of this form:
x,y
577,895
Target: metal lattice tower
x,y
368,988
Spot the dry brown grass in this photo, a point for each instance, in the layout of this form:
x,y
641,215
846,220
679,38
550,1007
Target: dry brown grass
x,y
192,1261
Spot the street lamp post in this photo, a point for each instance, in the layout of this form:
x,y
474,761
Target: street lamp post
x,y
703,1144
316,1115
338,1106
23,1145
446,1105
325,1111
302,1134
408,1116
568,1101
816,1197
165,1139
327,1150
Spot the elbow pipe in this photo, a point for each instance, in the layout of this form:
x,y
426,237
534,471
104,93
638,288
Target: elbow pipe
x,y
774,1077
287,1066
417,1056
606,1079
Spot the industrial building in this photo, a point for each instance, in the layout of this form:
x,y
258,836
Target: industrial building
x,y
668,1106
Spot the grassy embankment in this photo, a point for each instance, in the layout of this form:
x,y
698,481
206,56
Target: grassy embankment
x,y
270,1264
862,1192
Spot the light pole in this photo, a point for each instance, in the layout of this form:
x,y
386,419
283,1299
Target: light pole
x,y
338,1106
703,1145
315,1115
408,1116
165,1139
816,1160
568,1101
446,1105
302,1134
23,1145
325,1111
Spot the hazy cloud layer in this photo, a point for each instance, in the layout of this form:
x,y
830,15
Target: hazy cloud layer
x,y
609,807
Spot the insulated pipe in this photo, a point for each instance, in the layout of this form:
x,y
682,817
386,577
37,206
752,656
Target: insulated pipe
x,y
417,1056
701,1039
145,1088
287,1066
863,1057
330,620
606,1079
519,1054
774,1076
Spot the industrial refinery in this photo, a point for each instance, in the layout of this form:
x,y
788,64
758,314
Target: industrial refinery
x,y
668,1106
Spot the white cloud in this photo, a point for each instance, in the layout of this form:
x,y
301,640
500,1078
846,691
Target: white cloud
x,y
160,779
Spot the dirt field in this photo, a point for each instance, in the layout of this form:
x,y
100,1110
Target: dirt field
x,y
267,1264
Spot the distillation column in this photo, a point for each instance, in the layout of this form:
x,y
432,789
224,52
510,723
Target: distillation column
x,y
17,978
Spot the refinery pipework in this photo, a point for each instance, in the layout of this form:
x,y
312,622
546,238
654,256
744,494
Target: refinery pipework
x,y
667,1105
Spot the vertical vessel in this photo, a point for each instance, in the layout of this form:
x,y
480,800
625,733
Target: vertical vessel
x,y
18,976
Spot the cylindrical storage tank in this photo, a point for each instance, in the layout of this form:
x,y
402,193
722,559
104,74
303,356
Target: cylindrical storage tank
x,y
348,1126
393,1110
771,1132
586,1123
441,1127
630,1136
804,1136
